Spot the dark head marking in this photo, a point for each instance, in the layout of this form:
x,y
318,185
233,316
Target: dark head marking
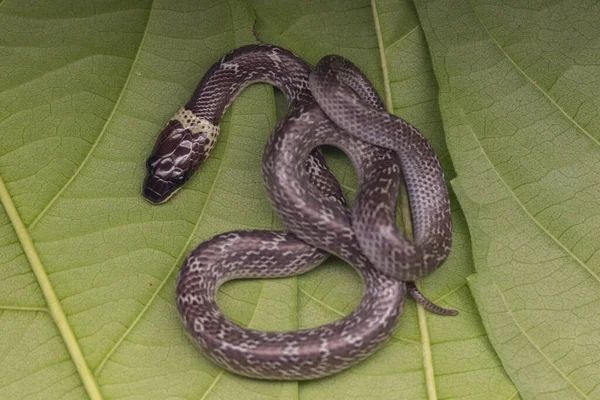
x,y
171,164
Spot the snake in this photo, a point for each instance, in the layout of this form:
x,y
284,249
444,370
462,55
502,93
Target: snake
x,y
309,200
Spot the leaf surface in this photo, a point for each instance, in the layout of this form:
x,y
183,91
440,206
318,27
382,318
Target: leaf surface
x,y
86,88
519,95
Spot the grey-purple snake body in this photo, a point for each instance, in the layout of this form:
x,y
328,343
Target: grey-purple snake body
x,y
348,114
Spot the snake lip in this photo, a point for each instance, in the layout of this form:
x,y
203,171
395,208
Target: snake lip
x,y
156,191
152,196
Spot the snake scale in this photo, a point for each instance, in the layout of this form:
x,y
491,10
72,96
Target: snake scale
x,y
333,104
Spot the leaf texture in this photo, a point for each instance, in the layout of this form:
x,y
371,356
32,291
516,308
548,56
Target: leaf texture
x,y
86,87
519,98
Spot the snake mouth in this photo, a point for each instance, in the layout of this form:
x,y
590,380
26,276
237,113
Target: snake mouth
x,y
157,191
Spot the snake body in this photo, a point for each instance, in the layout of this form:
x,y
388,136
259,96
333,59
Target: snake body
x,y
309,200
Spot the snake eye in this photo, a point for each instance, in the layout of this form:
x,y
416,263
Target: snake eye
x,y
151,160
178,179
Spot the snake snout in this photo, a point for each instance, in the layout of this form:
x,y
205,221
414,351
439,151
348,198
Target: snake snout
x,y
157,190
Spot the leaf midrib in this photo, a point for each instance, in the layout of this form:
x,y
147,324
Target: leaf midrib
x,y
426,351
54,307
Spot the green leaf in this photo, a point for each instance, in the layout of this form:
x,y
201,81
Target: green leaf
x,y
86,87
519,93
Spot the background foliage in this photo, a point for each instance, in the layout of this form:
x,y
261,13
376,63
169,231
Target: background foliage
x,y
508,92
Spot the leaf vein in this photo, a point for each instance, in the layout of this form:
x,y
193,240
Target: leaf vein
x,y
23,308
336,311
212,385
54,306
562,374
104,128
531,216
532,81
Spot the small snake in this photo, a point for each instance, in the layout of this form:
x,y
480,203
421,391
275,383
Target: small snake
x,y
309,200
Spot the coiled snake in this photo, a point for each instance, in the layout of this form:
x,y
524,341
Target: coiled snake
x,y
309,200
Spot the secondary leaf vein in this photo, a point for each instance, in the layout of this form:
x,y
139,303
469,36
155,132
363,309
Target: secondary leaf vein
x,y
562,374
24,308
539,224
532,81
212,385
104,127
336,311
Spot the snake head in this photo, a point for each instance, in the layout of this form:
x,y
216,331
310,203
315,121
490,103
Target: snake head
x,y
176,156
181,148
